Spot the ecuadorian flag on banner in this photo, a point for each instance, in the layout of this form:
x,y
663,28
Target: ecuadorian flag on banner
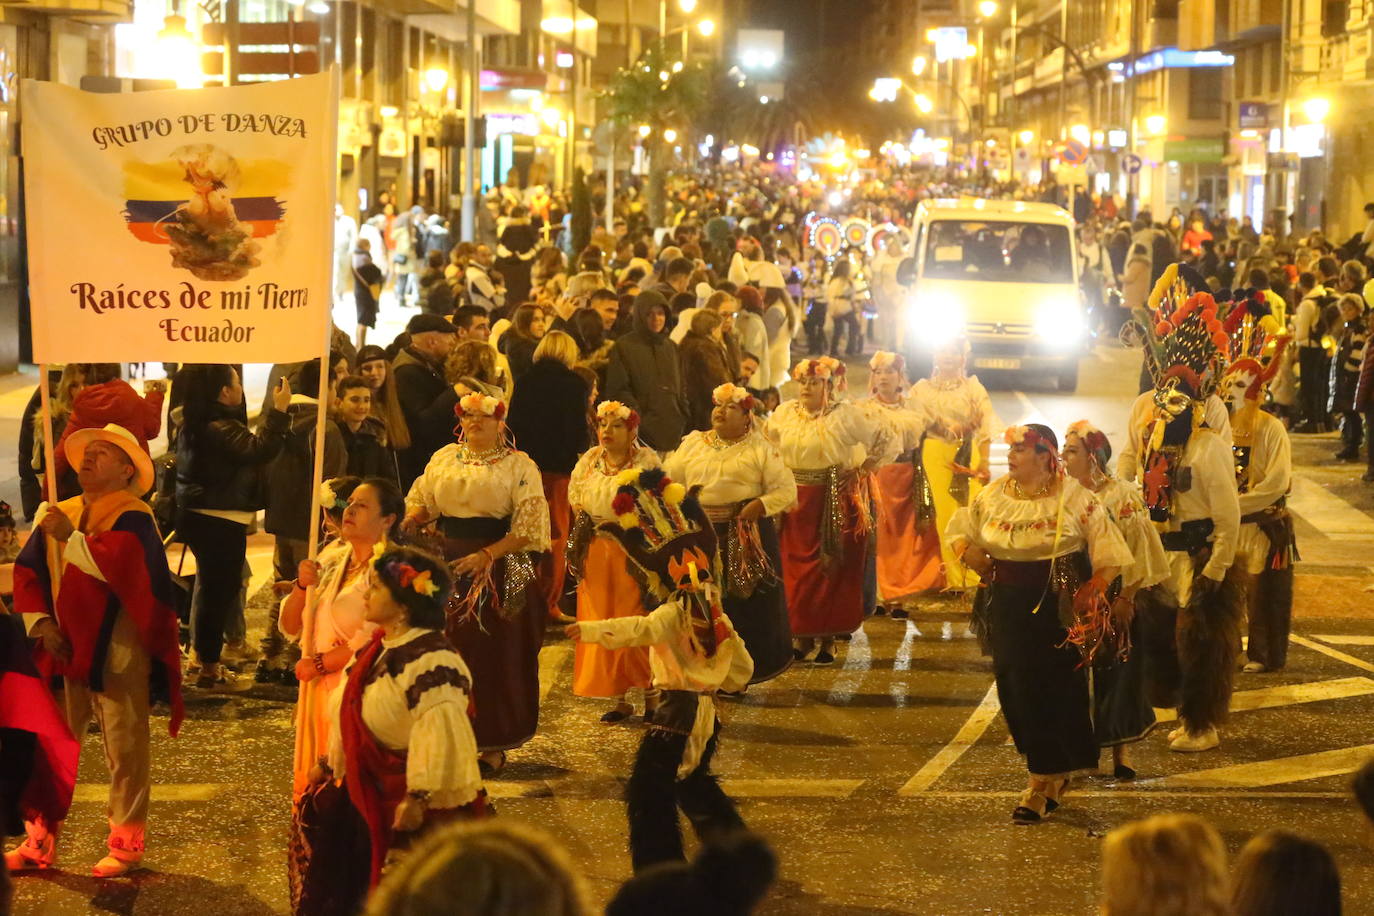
x,y
154,191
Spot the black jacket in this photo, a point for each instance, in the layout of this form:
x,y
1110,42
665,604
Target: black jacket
x,y
291,472
519,353
368,453
548,416
220,467
643,374
427,401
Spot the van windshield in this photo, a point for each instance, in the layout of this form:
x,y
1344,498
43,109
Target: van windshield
x,y
1000,252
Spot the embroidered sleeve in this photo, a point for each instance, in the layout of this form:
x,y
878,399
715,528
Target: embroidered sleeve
x,y
530,518
441,757
1106,547
1149,564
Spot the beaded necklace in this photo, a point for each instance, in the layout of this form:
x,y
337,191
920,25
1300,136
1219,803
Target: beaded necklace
x,y
488,457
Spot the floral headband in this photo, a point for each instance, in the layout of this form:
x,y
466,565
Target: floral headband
x,y
887,360
730,393
614,410
421,583
329,500
483,405
1094,440
1025,435
826,367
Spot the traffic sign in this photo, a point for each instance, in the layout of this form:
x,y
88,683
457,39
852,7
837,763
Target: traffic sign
x,y
1073,152
1130,163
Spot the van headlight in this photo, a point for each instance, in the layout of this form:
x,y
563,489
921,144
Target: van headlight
x,y
935,319
1059,322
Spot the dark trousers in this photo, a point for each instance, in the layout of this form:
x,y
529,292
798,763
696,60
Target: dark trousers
x,y
815,328
1270,608
220,547
654,794
1312,384
847,323
1352,431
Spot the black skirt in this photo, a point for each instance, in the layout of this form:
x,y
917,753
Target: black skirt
x,y
1121,712
761,619
1042,689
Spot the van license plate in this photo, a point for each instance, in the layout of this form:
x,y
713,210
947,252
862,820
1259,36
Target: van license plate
x,y
997,363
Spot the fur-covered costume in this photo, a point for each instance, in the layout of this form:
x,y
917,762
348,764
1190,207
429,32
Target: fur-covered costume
x,y
1192,619
693,652
1266,548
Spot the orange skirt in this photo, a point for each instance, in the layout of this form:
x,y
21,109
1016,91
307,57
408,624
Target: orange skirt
x,y
607,591
908,559
552,567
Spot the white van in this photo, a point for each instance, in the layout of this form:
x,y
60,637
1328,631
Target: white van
x,y
1005,274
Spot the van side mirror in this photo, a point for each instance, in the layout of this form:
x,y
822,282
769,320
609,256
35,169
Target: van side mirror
x,y
906,271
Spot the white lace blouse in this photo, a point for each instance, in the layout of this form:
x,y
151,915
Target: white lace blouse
x,y
423,712
943,407
1150,565
507,487
1008,527
732,472
812,442
593,484
904,424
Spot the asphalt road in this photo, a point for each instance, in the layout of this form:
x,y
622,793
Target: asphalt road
x,y
885,782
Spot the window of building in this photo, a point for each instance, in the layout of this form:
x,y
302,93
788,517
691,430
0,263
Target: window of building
x,y
1334,13
1204,93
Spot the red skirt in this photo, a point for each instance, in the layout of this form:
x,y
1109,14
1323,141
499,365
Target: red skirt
x,y
908,557
825,596
552,566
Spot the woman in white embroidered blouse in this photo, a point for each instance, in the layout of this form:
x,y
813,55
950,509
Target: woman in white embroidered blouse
x,y
1122,711
487,501
1045,548
828,445
744,483
605,589
908,555
401,739
959,425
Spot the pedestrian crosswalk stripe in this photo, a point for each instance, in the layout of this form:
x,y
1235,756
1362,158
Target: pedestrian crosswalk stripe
x,y
1333,653
1289,695
1270,772
1344,640
947,756
1332,516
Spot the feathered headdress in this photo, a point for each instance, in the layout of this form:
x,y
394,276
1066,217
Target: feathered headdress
x,y
671,546
1257,341
1186,343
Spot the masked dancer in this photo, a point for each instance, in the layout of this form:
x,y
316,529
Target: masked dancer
x,y
694,652
1192,619
744,485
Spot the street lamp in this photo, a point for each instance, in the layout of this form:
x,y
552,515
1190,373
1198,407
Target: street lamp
x,y
179,53
1155,124
670,135
1027,137
1080,133
645,130
706,28
1316,109
919,64
923,103
687,6
987,8
436,79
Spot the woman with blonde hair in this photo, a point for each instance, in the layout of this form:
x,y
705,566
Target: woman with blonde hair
x,y
548,419
488,868
1168,865
473,365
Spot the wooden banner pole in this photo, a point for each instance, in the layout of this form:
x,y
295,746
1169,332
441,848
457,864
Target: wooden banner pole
x,y
49,446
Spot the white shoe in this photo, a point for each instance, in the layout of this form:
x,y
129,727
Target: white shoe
x,y
1177,733
1193,742
1255,668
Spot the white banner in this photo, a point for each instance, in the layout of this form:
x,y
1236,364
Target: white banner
x,y
180,225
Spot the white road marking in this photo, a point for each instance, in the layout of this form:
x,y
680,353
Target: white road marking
x,y
1138,790
1032,415
1342,640
1289,695
1333,653
966,738
1332,516
1270,772
161,792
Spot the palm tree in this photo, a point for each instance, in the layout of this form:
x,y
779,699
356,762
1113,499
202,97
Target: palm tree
x,y
659,92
